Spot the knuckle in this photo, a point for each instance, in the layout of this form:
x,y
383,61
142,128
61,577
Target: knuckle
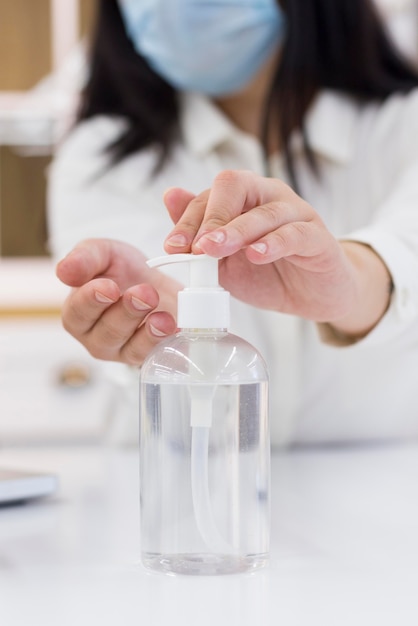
x,y
67,325
72,318
277,211
300,231
187,224
111,335
271,211
76,319
95,350
281,239
192,217
292,236
133,353
241,229
216,220
100,350
195,209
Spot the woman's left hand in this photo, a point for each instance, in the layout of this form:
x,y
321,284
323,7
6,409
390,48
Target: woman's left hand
x,y
275,251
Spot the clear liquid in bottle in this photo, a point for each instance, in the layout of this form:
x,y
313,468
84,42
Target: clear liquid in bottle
x,y
205,490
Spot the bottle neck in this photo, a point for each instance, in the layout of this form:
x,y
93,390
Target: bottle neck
x,y
203,308
204,331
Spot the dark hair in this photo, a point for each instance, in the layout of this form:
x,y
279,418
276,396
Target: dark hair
x,y
340,45
335,44
122,84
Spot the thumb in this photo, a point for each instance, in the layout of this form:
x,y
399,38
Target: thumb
x,y
90,258
104,258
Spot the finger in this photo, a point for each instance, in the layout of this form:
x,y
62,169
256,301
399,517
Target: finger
x,y
303,240
176,201
86,304
108,335
235,192
248,228
210,209
103,257
192,211
92,304
90,258
157,326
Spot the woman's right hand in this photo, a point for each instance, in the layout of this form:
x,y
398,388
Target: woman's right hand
x,y
118,307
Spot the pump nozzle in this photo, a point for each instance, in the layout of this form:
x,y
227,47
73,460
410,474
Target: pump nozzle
x,y
203,268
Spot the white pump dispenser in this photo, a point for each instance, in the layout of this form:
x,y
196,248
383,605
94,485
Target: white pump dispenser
x,y
204,438
203,304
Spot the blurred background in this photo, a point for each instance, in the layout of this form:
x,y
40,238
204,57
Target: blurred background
x,y
41,71
50,389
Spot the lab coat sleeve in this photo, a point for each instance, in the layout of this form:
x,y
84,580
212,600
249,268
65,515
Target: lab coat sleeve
x,y
393,233
86,198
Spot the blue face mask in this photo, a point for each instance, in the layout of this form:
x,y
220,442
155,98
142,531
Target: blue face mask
x,y
211,46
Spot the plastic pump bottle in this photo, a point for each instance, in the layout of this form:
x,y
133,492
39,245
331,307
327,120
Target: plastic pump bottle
x,y
205,445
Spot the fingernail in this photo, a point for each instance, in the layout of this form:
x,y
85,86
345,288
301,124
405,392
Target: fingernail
x,y
261,248
217,236
140,305
157,332
177,241
100,297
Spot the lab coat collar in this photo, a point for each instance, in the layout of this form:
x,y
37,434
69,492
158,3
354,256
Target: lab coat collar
x,y
331,123
204,127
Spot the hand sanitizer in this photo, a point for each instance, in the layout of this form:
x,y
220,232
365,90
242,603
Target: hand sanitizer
x,y
205,445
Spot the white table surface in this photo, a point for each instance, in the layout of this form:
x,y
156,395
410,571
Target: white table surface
x,y
344,546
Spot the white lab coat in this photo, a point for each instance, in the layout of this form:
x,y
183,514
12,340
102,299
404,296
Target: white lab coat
x,y
368,192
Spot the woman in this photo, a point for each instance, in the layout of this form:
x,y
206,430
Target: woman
x,y
322,255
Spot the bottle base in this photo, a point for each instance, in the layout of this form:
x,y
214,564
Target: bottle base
x,y
204,564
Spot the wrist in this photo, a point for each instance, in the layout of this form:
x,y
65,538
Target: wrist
x,y
372,293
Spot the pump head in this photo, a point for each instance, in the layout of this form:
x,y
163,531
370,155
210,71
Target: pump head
x,y
203,304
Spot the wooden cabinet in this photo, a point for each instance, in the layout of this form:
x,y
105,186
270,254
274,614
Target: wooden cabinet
x,y
25,43
35,36
22,200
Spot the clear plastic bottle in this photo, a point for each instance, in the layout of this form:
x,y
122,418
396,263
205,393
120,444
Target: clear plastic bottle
x,y
205,445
